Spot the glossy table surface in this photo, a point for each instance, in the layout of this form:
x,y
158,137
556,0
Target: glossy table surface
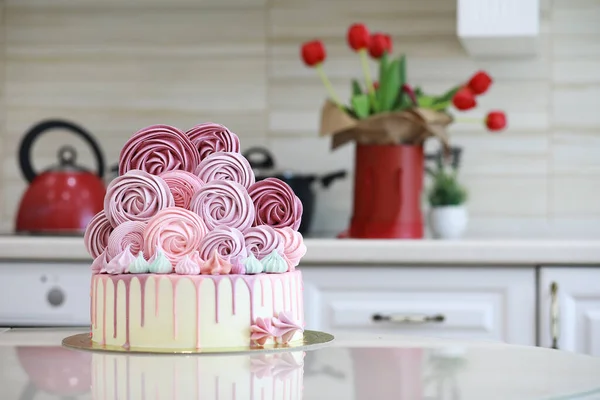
x,y
33,365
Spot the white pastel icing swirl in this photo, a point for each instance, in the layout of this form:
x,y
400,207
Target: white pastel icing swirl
x,y
176,231
128,234
159,263
261,240
252,265
274,263
140,265
157,149
99,263
136,196
96,234
215,265
121,262
293,246
227,242
226,166
183,185
224,203
187,266
210,138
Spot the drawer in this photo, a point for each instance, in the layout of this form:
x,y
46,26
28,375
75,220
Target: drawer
x,y
44,294
465,303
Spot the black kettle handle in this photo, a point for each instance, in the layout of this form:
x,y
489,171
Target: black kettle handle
x,y
42,127
266,160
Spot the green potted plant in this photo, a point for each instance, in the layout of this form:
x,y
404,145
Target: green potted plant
x,y
448,216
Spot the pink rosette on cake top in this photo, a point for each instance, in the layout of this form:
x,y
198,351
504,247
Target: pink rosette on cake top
x,y
157,149
228,243
211,138
226,166
96,234
293,246
129,234
176,231
183,186
136,196
224,203
261,240
276,204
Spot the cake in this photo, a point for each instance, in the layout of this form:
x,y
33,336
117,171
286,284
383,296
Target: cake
x,y
190,251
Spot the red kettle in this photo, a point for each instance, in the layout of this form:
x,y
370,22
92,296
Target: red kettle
x,y
64,198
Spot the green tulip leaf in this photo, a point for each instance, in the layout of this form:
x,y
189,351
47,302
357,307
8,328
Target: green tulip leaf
x,y
360,104
389,88
356,89
402,62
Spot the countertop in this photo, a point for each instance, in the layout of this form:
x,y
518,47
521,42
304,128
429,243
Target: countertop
x,y
365,367
350,251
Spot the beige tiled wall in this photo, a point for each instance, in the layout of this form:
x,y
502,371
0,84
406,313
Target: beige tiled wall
x,y
115,66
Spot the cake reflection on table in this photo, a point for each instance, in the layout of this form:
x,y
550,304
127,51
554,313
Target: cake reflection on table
x,y
260,376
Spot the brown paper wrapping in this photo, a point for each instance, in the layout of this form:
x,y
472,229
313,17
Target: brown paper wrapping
x,y
411,127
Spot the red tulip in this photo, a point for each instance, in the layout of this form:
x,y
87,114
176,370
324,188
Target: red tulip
x,y
464,99
480,82
313,53
358,37
380,44
496,120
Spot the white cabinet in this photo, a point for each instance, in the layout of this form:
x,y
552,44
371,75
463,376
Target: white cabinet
x,y
569,300
467,303
44,294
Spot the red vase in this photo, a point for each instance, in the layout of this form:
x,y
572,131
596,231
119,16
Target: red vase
x,y
388,181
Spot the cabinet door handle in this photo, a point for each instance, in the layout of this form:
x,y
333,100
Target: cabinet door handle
x,y
408,318
554,315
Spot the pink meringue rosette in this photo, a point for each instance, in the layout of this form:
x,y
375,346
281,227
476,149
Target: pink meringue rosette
x,y
293,246
211,138
224,203
96,234
226,166
129,234
276,204
228,243
261,240
183,185
157,149
176,231
136,196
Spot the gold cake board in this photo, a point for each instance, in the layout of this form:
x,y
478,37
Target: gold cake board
x,y
312,340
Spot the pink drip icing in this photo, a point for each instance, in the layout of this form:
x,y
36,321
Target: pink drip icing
x,y
285,299
115,291
175,284
251,289
216,388
233,283
273,278
127,283
198,314
92,304
143,385
116,380
128,375
104,311
142,279
156,293
217,281
262,293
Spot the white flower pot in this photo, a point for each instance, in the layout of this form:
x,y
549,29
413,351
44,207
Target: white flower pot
x,y
448,222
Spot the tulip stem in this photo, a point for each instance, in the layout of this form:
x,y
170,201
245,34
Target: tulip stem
x,y
329,87
469,120
364,59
